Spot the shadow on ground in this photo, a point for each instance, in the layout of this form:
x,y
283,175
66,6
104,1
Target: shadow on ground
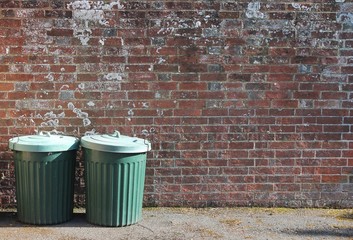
x,y
346,216
343,232
9,219
333,231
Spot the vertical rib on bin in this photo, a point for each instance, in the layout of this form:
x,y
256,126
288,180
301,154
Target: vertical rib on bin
x,y
44,186
114,187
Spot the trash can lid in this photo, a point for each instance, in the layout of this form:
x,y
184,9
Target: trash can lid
x,y
44,142
115,143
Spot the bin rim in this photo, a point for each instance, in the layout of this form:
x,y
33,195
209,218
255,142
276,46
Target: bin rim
x,y
44,142
115,143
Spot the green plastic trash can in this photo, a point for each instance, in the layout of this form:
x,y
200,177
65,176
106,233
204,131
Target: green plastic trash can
x,y
114,176
44,173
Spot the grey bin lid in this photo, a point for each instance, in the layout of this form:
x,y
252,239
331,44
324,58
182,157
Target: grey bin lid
x,y
115,143
44,142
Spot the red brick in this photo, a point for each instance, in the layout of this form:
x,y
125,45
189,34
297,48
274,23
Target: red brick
x,y
148,76
287,153
200,86
161,51
193,68
6,87
113,59
142,59
164,104
282,145
10,23
141,95
166,68
86,77
163,86
60,32
134,86
63,68
280,78
258,103
214,112
347,70
334,179
87,59
131,33
284,103
135,68
12,41
187,112
18,77
335,112
305,60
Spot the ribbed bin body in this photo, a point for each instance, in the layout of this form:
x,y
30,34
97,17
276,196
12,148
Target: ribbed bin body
x,y
114,187
44,186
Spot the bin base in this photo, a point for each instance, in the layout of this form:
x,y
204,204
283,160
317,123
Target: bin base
x,y
44,186
114,187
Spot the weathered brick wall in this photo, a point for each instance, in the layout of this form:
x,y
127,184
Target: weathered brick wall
x,y
245,102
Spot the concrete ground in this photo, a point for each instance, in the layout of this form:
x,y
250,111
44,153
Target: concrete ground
x,y
186,223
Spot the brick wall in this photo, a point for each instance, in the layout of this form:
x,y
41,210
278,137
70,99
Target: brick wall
x,y
245,102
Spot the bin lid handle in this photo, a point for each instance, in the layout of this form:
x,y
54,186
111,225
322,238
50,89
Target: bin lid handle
x,y
44,133
116,134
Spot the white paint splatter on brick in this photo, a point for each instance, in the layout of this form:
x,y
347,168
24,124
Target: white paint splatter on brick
x,y
91,132
302,7
145,132
51,119
84,35
165,31
160,112
102,41
197,24
84,12
113,77
157,95
81,86
86,122
130,112
61,115
35,49
89,15
345,17
161,60
50,123
79,5
32,104
253,11
64,87
50,115
70,106
50,77
91,104
13,68
80,114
